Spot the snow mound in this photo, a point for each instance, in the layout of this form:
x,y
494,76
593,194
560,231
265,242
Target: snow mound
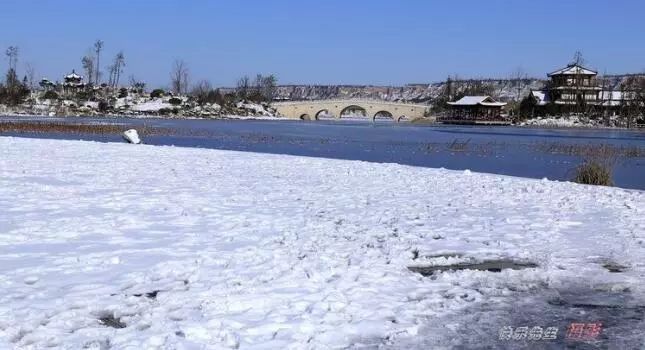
x,y
132,136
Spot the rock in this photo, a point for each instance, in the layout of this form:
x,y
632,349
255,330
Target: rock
x,y
132,136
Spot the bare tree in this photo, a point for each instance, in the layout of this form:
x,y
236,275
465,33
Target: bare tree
x,y
14,92
179,77
116,69
139,85
88,66
578,59
268,87
111,75
98,46
632,100
519,77
243,85
201,91
580,101
12,76
119,63
30,73
12,56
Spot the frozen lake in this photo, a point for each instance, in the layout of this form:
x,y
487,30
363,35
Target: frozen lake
x,y
525,152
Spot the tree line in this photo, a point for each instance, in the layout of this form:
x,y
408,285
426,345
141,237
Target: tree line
x,y
96,87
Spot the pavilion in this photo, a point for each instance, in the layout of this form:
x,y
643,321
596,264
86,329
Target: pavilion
x,y
476,109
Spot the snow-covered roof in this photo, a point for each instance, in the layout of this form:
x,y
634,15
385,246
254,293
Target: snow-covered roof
x,y
477,100
573,69
542,97
73,75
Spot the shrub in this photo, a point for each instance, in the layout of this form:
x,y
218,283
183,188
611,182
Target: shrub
x,y
175,101
168,111
84,95
103,106
50,95
123,92
156,93
594,173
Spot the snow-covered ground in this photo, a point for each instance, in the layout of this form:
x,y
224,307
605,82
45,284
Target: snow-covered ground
x,y
573,121
179,248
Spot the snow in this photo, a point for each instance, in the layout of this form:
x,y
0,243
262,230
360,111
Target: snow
x,y
570,121
573,69
73,76
256,108
475,100
151,106
132,136
195,248
541,96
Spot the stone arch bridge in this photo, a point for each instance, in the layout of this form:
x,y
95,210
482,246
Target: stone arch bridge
x,y
372,109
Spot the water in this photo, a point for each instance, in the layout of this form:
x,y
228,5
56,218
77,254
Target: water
x,y
524,152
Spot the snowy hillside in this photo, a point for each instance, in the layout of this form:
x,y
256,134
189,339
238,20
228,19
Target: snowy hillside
x,y
502,89
133,246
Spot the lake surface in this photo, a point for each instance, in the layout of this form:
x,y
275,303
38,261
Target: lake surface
x,y
525,152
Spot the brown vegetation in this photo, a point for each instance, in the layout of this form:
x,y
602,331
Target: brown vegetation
x,y
595,151
34,127
594,173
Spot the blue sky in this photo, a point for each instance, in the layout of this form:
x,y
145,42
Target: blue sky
x,y
327,42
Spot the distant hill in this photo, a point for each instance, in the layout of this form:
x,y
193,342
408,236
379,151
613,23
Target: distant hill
x,y
500,89
503,89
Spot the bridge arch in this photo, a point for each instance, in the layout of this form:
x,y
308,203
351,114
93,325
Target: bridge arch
x,y
383,115
324,114
305,116
353,110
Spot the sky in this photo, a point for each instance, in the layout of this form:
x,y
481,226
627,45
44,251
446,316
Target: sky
x,y
366,42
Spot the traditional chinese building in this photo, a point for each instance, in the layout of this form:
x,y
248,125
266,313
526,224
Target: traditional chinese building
x,y
72,83
47,84
573,85
576,89
476,110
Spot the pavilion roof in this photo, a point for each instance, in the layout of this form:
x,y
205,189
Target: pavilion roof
x,y
73,75
573,69
477,100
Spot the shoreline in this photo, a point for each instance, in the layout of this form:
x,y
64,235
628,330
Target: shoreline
x,y
416,123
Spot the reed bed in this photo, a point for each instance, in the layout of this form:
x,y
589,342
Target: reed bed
x,y
601,150
36,127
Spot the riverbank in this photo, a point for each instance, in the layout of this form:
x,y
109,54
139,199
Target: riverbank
x,y
122,245
526,152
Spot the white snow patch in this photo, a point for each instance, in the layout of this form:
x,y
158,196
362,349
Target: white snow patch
x,y
194,248
151,106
